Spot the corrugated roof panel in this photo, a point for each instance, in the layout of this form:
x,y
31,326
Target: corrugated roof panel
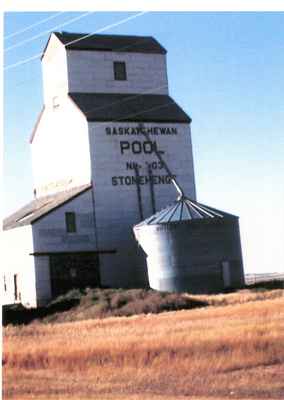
x,y
41,206
175,216
184,209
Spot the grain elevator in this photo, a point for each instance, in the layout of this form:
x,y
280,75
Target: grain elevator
x,y
106,114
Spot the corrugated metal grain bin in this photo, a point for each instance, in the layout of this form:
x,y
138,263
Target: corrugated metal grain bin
x,y
193,248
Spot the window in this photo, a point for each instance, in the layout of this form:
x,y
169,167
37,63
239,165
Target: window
x,y
119,69
70,221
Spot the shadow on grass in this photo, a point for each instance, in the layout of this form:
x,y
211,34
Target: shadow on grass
x,y
101,303
19,315
266,285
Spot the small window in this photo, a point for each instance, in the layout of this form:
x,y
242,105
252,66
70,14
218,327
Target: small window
x,y
5,284
70,221
119,69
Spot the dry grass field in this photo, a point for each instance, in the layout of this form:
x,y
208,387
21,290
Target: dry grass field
x,y
230,351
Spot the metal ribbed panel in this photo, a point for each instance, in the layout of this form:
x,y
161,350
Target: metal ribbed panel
x,y
184,209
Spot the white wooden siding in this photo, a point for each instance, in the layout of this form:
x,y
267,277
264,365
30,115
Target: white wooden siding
x,y
60,149
92,71
49,232
42,278
16,259
117,207
54,69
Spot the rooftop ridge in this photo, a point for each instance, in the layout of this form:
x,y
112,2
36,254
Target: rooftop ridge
x,y
184,209
108,42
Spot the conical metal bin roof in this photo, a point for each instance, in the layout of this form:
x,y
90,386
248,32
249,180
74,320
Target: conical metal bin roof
x,y
184,209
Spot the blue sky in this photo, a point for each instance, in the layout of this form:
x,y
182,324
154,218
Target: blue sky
x,y
226,69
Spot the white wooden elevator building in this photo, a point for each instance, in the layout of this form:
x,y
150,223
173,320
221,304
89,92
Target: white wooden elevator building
x,y
95,173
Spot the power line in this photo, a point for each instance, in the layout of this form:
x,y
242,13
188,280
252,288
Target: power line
x,y
31,79
48,31
123,119
127,99
108,27
132,96
23,62
77,40
33,25
140,112
121,48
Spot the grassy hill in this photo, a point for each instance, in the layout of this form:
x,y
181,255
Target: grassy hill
x,y
230,346
82,304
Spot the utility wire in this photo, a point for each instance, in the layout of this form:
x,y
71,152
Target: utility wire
x,y
21,62
108,27
48,31
140,112
20,83
123,119
127,99
130,97
33,25
119,49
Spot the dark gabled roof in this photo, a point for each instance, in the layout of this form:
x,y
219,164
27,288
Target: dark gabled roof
x,y
132,108
41,206
120,43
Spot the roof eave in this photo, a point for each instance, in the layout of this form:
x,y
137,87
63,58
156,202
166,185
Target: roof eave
x,y
159,121
29,221
72,47
46,46
47,43
76,105
183,118
33,220
36,125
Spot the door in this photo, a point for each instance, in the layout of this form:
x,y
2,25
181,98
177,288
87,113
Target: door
x,y
73,270
16,288
226,270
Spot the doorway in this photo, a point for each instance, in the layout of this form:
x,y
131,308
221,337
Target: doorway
x,y
17,296
73,270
